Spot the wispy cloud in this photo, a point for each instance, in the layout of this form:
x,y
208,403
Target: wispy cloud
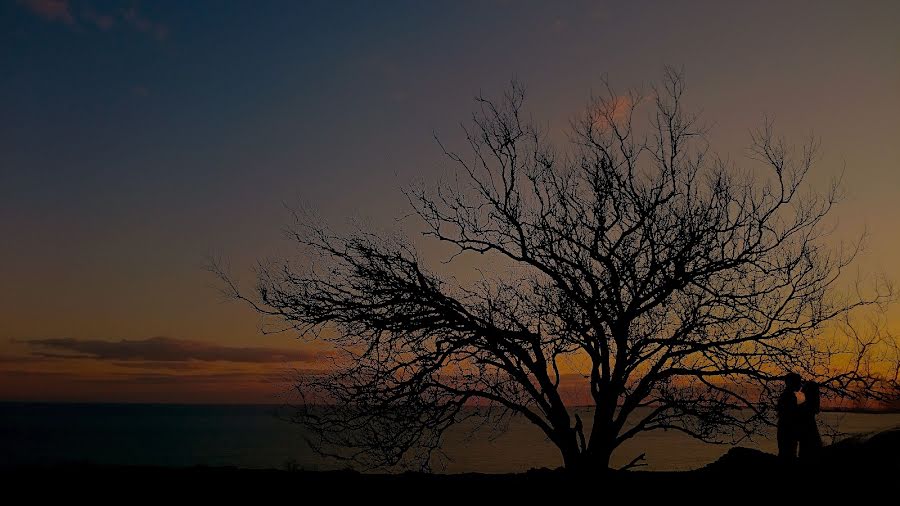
x,y
87,16
142,24
100,20
614,110
558,25
51,10
203,386
19,360
163,349
140,91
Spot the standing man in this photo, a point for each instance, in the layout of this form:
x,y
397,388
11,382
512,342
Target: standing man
x,y
787,418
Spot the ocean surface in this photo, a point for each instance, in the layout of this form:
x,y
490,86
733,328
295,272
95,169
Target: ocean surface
x,y
254,437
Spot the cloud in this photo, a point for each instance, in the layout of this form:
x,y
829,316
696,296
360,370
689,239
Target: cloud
x,y
140,91
61,10
100,20
558,25
15,359
184,366
164,349
51,10
142,24
614,110
86,386
269,386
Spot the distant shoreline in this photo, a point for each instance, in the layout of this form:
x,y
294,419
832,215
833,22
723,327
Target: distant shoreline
x,y
867,411
864,411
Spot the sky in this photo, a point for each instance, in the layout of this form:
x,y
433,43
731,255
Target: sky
x,y
137,138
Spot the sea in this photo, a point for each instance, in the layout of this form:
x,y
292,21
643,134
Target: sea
x,y
254,436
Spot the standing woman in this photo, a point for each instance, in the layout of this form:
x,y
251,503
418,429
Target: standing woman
x,y
807,429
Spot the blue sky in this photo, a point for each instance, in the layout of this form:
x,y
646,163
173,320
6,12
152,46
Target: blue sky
x,y
137,137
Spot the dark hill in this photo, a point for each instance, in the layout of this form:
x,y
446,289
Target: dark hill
x,y
854,468
871,453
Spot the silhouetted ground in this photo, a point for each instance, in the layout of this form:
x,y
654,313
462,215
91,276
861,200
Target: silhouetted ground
x,y
856,468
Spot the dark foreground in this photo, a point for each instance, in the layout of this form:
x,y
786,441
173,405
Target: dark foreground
x,y
856,468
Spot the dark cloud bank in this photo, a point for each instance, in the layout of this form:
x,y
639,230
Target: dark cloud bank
x,y
164,349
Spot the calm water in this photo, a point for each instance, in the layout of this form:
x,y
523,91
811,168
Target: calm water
x,y
251,436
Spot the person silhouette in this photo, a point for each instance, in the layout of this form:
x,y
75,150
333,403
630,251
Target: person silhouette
x,y
788,414
807,431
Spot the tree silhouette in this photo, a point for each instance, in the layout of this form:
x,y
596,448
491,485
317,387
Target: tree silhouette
x,y
673,284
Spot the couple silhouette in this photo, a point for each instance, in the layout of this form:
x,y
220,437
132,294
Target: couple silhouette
x,y
797,410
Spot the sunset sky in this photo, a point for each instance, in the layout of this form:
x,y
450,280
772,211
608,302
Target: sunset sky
x,y
136,138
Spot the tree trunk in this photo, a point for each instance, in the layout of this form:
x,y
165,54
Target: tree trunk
x,y
590,461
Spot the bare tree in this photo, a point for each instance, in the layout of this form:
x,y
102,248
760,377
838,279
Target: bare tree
x,y
677,284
